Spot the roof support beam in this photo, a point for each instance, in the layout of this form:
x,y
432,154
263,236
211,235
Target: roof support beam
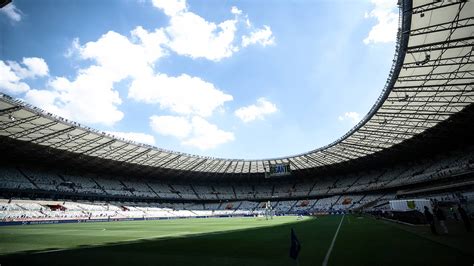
x,y
10,110
461,23
29,131
17,122
131,159
85,144
434,5
52,135
70,139
448,44
98,147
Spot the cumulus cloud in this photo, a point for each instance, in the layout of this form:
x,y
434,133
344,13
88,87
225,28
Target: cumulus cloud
x,y
32,67
10,82
175,126
386,15
12,12
352,117
13,73
90,97
171,7
182,94
234,10
122,57
191,35
37,67
256,111
207,136
263,36
196,132
73,49
134,136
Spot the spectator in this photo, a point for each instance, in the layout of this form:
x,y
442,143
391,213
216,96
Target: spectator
x,y
465,218
442,219
430,220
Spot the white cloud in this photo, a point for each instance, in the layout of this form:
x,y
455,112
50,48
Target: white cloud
x,y
234,10
73,49
123,58
171,7
12,12
10,82
207,136
256,111
175,126
385,12
183,94
33,67
193,36
134,136
37,67
263,36
353,117
196,132
89,98
44,99
12,74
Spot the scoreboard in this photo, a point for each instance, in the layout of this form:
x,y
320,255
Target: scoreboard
x,y
279,170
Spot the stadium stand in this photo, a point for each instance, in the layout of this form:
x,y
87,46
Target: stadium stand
x,y
415,142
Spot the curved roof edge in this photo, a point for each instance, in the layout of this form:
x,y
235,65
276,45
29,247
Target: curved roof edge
x,y
422,90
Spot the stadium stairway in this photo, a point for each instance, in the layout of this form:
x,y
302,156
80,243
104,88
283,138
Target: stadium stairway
x,y
235,194
173,190
99,186
353,183
292,206
372,203
314,204
197,195
152,190
336,201
311,189
240,204
29,179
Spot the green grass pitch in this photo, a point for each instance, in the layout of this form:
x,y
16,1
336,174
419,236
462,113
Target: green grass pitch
x,y
231,241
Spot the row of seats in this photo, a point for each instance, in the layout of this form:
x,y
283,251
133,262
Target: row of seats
x,y
28,179
20,210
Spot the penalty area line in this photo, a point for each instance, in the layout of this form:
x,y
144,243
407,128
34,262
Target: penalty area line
x,y
326,259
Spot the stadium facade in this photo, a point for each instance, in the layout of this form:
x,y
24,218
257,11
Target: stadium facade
x,y
417,139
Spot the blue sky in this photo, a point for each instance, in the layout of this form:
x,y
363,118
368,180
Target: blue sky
x,y
233,79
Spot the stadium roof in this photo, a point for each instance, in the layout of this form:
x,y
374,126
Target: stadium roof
x,y
431,79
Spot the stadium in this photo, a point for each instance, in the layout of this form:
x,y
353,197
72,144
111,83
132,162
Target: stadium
x,y
74,195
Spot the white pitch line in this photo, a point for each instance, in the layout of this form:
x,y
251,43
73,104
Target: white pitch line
x,y
326,259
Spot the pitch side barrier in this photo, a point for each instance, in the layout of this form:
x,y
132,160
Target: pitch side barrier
x,y
36,222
